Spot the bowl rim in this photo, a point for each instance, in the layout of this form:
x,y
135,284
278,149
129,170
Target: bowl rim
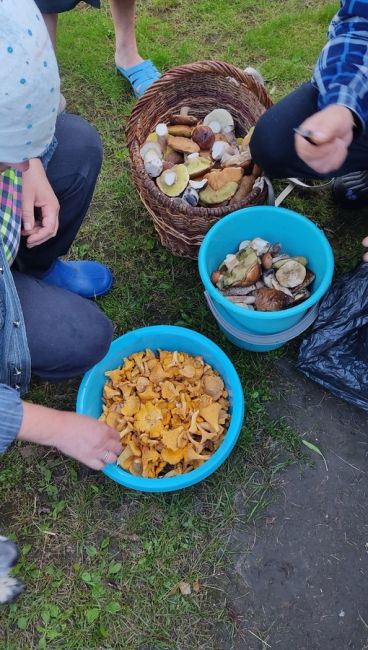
x,y
249,213
182,481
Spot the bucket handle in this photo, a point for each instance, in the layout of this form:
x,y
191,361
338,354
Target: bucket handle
x,y
264,339
293,182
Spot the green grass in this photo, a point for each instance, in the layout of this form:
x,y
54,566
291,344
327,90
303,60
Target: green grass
x,y
100,562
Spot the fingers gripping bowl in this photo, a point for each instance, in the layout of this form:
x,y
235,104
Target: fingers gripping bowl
x,y
89,400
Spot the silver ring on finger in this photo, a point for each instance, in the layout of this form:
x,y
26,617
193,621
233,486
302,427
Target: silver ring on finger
x,y
106,457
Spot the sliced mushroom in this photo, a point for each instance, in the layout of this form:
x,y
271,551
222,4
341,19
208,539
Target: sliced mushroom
x,y
291,274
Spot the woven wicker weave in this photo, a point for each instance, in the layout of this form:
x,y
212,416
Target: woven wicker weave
x,y
202,86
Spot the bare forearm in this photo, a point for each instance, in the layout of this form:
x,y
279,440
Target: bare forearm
x,y
41,424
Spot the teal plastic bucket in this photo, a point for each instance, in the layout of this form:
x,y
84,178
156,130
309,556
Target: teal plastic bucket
x,y
255,330
165,337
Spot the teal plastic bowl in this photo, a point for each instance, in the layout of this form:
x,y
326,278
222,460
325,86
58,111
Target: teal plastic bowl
x,y
165,337
298,235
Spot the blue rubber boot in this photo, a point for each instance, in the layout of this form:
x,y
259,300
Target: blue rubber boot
x,y
88,279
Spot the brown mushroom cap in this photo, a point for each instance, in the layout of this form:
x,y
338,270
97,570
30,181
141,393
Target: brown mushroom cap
x,y
271,300
184,145
203,136
189,120
219,177
180,130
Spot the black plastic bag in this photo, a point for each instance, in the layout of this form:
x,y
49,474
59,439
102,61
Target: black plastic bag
x,y
335,353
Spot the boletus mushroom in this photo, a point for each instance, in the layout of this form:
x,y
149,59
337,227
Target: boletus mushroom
x,y
197,166
173,181
208,196
203,136
184,145
271,300
220,116
291,274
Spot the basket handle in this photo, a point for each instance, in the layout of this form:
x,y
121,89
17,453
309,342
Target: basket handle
x,y
175,74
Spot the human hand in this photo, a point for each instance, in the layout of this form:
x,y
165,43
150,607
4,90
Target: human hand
x,y
88,440
332,132
365,244
38,193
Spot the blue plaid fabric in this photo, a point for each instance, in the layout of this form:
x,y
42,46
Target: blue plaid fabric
x,y
10,212
341,72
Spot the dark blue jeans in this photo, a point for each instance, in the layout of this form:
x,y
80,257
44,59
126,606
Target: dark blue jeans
x,y
272,143
66,334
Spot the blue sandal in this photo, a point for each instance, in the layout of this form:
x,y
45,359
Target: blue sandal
x,y
140,76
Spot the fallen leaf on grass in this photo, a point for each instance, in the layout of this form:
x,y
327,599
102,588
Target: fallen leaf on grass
x,y
313,447
184,588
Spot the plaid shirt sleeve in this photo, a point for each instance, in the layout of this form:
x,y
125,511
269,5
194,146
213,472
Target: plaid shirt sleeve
x,y
11,416
341,72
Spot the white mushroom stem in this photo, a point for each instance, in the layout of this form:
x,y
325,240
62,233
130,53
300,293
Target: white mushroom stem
x,y
184,111
152,163
219,148
162,135
170,178
215,126
198,185
229,133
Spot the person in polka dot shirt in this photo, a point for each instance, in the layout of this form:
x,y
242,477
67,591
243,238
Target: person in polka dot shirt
x,y
48,169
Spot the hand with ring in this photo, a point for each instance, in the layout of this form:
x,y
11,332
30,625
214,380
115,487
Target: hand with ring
x,y
90,441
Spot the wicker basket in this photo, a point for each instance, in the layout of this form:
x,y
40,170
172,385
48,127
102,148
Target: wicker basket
x,y
203,86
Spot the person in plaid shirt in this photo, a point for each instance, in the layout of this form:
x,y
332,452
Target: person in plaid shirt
x,y
332,112
48,170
